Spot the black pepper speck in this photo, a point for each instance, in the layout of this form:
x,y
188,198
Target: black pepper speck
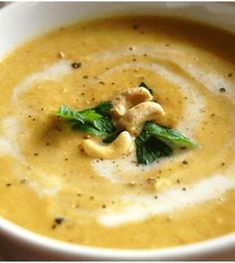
x,y
76,65
59,220
222,90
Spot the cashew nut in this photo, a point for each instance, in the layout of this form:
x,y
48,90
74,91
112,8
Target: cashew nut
x,y
131,97
139,114
118,147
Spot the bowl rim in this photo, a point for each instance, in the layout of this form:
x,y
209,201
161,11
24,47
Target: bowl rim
x,y
25,236
203,248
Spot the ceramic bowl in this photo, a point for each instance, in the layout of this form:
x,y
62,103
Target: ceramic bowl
x,y
22,21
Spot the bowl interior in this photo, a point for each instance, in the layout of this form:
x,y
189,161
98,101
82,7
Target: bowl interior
x,y
22,21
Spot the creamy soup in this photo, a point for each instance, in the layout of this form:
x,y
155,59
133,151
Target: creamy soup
x,y
50,186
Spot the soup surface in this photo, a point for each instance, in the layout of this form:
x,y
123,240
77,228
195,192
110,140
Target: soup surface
x,y
49,186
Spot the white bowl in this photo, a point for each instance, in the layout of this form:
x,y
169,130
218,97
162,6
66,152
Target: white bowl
x,y
21,21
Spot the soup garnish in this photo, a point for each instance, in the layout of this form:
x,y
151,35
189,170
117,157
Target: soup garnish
x,y
128,111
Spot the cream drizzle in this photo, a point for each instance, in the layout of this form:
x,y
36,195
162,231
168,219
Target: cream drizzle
x,y
53,72
138,208
8,142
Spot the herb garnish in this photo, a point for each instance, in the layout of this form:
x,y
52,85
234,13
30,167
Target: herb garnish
x,y
155,141
170,136
149,149
95,121
75,116
152,143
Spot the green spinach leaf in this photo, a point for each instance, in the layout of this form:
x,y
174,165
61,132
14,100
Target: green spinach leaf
x,y
156,141
149,148
69,114
94,121
169,136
